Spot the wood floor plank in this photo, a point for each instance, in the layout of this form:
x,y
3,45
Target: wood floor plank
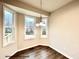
x,y
38,52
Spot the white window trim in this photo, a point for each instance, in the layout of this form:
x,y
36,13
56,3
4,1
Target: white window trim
x,y
12,35
29,36
45,36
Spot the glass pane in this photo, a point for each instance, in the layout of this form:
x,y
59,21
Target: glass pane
x,y
44,28
8,19
29,25
43,31
8,16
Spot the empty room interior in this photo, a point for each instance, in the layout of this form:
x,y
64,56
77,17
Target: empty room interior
x,y
39,29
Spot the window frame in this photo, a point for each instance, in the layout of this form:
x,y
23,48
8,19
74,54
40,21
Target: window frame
x,y
29,36
44,36
12,40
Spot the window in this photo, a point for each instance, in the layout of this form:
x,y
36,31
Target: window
x,y
44,27
29,27
8,26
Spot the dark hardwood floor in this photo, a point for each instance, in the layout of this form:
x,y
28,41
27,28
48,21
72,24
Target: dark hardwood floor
x,y
38,52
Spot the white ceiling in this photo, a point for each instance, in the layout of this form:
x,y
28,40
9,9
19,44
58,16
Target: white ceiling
x,y
48,5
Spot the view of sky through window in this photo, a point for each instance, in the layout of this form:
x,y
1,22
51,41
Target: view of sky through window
x,y
8,16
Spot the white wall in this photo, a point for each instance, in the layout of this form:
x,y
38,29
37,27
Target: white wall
x,y
64,30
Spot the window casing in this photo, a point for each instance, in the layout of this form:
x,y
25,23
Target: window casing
x,y
44,28
8,26
29,27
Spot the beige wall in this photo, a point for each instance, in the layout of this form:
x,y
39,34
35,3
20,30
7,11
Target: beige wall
x,y
64,30
63,33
